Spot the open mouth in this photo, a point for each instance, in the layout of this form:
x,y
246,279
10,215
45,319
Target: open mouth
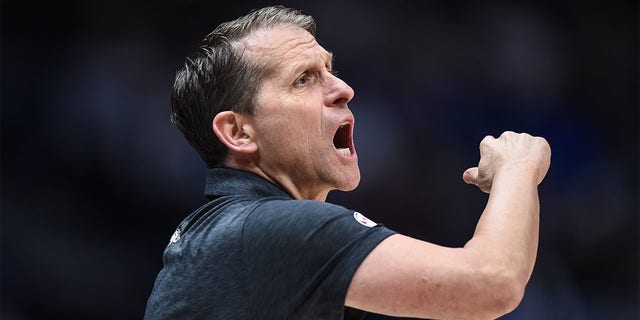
x,y
342,139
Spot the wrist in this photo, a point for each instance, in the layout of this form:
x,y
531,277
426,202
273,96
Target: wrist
x,y
521,171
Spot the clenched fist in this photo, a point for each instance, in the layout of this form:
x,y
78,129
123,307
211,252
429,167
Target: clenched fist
x,y
528,155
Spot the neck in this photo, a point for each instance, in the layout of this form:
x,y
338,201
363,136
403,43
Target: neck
x,y
282,180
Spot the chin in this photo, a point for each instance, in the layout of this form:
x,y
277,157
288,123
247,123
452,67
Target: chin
x,y
349,188
350,181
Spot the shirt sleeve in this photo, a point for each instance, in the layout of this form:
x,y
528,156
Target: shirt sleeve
x,y
300,257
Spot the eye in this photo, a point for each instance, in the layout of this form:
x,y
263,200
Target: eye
x,y
303,80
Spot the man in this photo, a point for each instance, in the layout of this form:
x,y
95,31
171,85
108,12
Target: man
x,y
261,105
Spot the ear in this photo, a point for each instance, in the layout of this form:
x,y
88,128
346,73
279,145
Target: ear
x,y
235,132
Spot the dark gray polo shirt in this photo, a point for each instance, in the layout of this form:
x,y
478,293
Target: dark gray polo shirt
x,y
253,252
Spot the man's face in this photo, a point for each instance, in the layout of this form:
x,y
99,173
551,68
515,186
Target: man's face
x,y
304,129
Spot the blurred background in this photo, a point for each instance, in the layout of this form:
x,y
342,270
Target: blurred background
x,y
95,178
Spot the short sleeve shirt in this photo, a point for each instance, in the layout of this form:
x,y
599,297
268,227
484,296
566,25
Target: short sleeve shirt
x,y
254,252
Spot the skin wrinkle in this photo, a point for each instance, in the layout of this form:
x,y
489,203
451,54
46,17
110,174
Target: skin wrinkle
x,y
300,120
252,45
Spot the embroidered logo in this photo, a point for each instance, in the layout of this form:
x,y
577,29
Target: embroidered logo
x,y
363,220
174,237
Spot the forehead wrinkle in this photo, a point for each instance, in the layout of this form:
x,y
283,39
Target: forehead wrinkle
x,y
310,59
294,48
260,46
313,56
264,39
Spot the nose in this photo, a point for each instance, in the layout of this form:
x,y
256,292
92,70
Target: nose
x,y
338,92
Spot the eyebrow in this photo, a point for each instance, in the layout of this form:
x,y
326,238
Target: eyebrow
x,y
302,66
330,55
330,58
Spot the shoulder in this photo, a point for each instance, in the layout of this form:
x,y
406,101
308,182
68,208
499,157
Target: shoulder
x,y
305,221
305,208
303,254
300,215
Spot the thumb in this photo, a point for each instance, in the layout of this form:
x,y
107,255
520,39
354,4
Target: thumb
x,y
470,176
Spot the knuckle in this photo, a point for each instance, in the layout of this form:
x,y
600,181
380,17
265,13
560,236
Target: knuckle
x,y
542,142
486,142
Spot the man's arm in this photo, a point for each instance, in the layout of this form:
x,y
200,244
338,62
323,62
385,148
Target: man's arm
x,y
484,279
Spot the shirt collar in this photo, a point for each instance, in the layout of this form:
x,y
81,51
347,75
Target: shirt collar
x,y
226,181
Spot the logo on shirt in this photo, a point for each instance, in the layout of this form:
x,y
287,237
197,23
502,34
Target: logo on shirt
x,y
174,237
363,220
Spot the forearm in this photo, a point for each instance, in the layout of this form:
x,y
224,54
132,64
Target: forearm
x,y
506,235
485,279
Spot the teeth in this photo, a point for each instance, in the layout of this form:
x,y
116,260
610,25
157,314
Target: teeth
x,y
344,151
344,124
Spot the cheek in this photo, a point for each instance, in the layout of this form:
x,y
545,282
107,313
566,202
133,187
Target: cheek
x,y
282,134
294,123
